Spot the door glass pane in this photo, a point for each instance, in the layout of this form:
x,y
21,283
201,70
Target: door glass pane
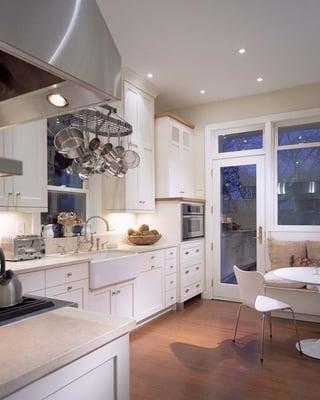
x,y
306,133
238,220
241,141
299,186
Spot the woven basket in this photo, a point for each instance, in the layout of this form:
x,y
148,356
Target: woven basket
x,y
144,240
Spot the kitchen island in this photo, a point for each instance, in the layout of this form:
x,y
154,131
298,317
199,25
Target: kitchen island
x,y
65,354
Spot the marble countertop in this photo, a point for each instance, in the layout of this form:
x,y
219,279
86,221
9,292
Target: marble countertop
x,y
57,260
35,347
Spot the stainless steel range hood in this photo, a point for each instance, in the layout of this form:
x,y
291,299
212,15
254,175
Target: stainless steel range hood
x,y
54,47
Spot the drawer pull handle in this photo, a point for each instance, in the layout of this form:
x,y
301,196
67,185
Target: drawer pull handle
x,y
69,274
186,253
187,290
69,287
187,271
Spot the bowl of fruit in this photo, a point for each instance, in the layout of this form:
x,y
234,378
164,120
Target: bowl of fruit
x,y
143,236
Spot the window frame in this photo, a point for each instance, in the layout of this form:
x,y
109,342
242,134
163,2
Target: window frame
x,y
276,147
240,153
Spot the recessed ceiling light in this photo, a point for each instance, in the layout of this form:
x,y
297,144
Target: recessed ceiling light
x,y
202,91
57,100
241,51
150,75
260,79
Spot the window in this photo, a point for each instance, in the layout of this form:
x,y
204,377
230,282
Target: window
x,y
65,192
241,141
298,190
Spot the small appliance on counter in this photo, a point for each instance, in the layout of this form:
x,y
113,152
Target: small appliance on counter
x,y
192,220
23,247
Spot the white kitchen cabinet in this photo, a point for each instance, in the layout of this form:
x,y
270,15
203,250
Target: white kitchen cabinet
x,y
27,143
76,292
136,191
191,269
148,298
101,375
113,300
174,159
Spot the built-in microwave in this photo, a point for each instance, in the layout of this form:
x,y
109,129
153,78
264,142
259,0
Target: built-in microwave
x,y
192,216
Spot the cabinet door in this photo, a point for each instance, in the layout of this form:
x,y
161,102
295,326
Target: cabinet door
x,y
6,184
124,300
100,301
76,292
30,146
175,189
148,298
131,109
186,164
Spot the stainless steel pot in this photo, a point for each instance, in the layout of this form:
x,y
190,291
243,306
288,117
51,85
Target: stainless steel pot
x,y
10,285
69,142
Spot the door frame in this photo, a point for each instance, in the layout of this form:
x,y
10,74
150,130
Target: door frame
x,y
226,290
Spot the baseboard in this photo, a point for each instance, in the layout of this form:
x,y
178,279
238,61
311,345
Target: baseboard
x,y
155,316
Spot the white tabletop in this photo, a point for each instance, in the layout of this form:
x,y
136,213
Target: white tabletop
x,y
300,274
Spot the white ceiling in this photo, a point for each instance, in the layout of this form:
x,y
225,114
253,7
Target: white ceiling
x,y
192,44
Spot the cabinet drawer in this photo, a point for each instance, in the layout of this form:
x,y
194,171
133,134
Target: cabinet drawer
x,y
193,252
170,266
191,290
32,281
171,281
154,259
191,274
171,297
71,273
170,253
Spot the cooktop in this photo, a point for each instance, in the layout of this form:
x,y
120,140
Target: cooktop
x,y
30,306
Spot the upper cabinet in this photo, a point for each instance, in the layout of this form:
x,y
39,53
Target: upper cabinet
x,y
27,143
174,159
135,192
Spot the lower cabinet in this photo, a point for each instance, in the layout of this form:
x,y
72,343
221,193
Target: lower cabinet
x,y
102,374
113,300
148,297
77,292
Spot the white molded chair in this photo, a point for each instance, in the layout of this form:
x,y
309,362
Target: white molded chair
x,y
250,284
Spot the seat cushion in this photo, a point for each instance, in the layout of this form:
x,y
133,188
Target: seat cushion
x,y
281,252
313,249
272,280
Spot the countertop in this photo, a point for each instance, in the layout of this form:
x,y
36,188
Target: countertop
x,y
35,347
57,260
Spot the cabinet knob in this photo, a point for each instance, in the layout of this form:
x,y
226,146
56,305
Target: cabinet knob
x,y
181,191
10,194
171,282
197,285
18,194
187,271
186,253
197,251
171,266
171,253
113,293
152,266
197,268
69,274
187,290
118,291
171,298
152,257
69,287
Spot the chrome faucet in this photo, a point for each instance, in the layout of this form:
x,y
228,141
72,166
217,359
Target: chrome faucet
x,y
85,229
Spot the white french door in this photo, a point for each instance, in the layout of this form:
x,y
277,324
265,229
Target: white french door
x,y
238,220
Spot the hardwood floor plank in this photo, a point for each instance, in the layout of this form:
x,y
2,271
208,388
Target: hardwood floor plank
x,y
189,355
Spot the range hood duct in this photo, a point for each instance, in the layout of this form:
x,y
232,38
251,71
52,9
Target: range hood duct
x,y
54,47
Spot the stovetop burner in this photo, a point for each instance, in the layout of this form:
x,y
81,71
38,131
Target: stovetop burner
x,y
30,306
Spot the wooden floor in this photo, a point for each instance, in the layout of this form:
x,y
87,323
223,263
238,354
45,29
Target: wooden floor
x,y
189,355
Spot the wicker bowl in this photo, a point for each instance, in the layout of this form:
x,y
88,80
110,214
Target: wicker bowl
x,y
143,240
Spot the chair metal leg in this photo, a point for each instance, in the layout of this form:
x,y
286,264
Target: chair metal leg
x,y
270,324
296,328
262,336
237,322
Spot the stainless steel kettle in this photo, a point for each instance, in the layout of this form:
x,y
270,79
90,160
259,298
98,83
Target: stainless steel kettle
x,y
10,285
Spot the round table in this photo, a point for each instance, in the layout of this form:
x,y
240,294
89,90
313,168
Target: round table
x,y
308,275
